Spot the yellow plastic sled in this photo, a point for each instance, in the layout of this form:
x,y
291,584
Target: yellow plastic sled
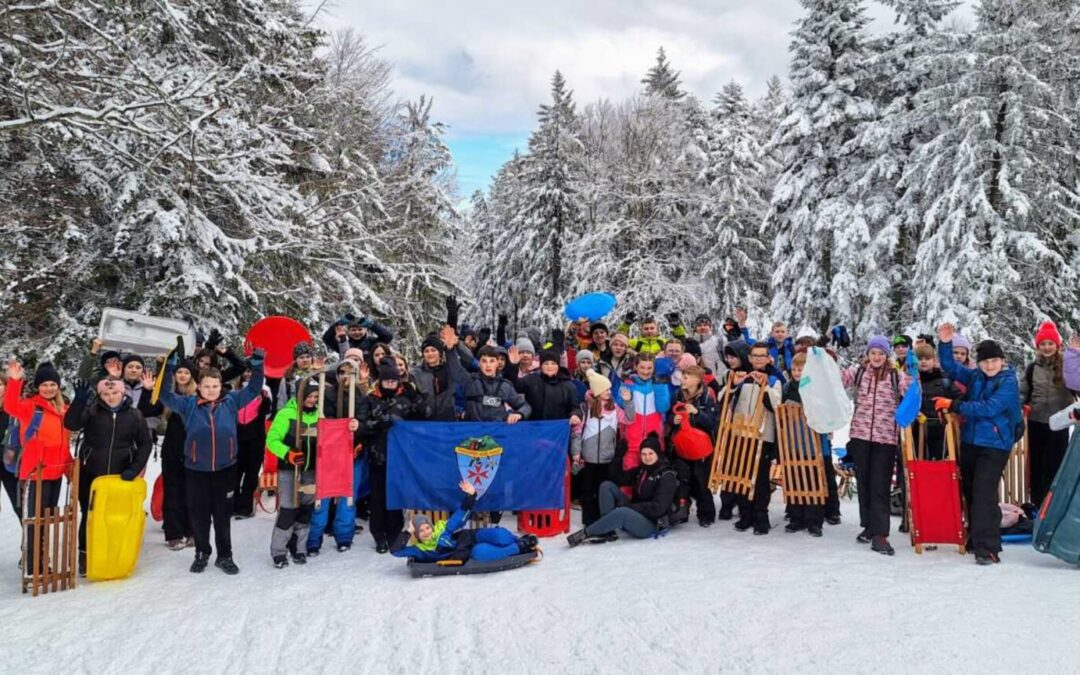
x,y
114,531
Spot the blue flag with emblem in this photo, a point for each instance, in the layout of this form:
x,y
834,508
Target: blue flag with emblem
x,y
908,409
512,466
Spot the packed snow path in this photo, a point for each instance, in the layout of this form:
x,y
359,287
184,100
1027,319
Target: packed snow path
x,y
695,601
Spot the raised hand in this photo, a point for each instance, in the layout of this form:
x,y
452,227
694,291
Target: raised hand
x,y
513,355
1074,342
448,336
946,332
15,370
740,316
467,487
95,345
148,380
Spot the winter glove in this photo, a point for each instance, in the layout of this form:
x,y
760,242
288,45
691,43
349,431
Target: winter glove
x,y
558,340
296,457
927,338
129,474
258,357
200,339
823,341
366,322
82,391
840,336
345,319
942,404
503,320
214,340
483,337
673,319
630,318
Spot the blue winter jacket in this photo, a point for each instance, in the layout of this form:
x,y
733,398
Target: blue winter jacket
x,y
786,351
211,425
991,407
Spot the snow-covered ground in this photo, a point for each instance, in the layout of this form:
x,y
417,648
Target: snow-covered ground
x,y
696,601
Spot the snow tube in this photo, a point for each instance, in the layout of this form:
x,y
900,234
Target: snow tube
x,y
445,568
157,499
1015,538
277,335
691,443
1057,529
592,306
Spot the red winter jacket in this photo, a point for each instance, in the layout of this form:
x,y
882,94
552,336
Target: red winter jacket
x,y
875,404
51,445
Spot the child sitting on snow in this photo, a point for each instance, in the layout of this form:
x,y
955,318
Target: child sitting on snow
x,y
425,541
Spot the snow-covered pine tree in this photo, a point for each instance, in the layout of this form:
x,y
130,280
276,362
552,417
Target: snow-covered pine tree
x,y
551,220
662,79
988,178
901,65
819,232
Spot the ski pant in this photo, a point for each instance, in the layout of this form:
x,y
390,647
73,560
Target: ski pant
x,y
728,503
694,483
294,512
618,515
493,543
590,478
339,515
50,497
874,464
210,497
11,487
86,479
174,507
980,473
1046,453
386,524
832,503
249,459
807,515
756,511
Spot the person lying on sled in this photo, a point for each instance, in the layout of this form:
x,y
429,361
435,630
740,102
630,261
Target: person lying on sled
x,y
424,541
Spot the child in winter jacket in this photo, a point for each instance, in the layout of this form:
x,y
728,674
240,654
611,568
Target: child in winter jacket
x,y
210,455
115,441
992,422
1043,390
651,400
935,383
490,398
594,443
425,541
46,444
811,517
550,392
251,437
648,508
762,378
701,412
874,436
390,402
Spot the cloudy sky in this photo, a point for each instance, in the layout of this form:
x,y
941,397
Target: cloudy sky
x,y
489,63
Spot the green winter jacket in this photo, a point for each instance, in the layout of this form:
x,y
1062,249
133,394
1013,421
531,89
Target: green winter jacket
x,y
281,437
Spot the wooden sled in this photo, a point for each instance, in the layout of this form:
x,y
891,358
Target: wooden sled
x,y
739,446
444,568
54,562
268,485
934,502
801,460
1015,487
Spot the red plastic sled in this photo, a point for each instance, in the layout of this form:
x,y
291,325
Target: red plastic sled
x,y
934,502
334,460
277,335
157,500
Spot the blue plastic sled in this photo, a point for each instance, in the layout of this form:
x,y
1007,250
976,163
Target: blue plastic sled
x,y
445,568
1057,529
592,306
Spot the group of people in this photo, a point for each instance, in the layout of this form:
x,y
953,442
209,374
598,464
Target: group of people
x,y
625,391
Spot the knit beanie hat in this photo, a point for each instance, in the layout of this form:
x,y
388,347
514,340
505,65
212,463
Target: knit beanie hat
x,y
46,372
189,365
388,370
685,361
549,355
961,342
702,319
133,358
1048,331
598,384
525,345
353,354
433,341
310,386
988,349
417,521
302,349
598,326
879,342
108,383
584,355
109,355
652,442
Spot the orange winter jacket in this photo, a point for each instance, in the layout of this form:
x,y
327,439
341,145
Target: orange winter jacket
x,y
51,445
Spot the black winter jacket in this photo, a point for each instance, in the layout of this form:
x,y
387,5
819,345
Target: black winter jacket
x,y
654,489
112,441
406,404
550,398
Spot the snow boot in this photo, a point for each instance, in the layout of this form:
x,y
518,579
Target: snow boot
x,y
281,561
760,530
312,553
832,520
576,538
862,538
814,530
82,563
527,543
743,525
726,513
243,516
704,523
983,559
299,558
603,538
227,566
794,527
201,560
880,544
176,544
682,513
382,546
341,548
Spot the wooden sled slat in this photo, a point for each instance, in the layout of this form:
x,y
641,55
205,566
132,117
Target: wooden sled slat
x,y
801,460
50,561
739,445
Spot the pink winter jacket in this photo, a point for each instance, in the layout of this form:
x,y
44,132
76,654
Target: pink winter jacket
x,y
875,405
